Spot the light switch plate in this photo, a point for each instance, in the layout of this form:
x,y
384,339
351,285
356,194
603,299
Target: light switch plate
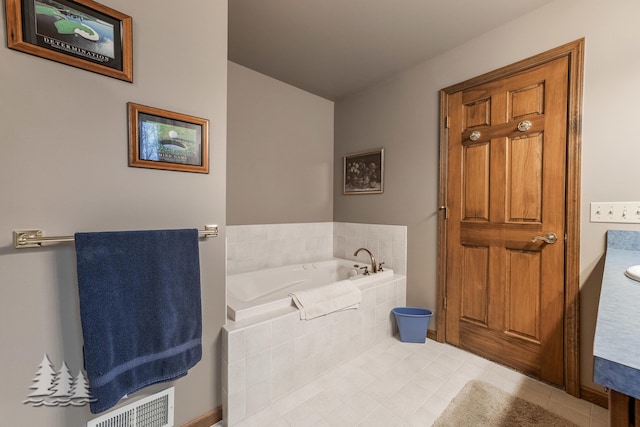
x,y
618,212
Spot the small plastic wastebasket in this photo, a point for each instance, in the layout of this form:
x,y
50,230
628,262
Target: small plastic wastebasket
x,y
412,323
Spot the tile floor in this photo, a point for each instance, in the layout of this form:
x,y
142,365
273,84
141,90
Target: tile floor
x,y
406,384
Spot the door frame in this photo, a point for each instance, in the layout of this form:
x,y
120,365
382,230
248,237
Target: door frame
x,y
575,53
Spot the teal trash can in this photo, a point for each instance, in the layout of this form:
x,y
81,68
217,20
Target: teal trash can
x,y
413,323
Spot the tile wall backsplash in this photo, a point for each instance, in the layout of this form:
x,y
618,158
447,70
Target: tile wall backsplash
x,y
388,243
256,247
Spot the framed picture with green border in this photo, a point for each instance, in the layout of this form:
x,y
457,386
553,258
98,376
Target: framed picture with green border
x,y
161,139
81,33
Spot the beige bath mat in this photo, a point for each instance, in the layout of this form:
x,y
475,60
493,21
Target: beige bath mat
x,y
482,405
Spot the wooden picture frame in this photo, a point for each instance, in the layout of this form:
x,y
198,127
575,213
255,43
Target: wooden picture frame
x,y
161,139
81,33
364,172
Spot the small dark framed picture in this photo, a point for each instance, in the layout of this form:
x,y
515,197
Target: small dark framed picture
x,y
364,172
81,33
161,139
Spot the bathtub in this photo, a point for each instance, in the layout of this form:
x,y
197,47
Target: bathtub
x,y
264,291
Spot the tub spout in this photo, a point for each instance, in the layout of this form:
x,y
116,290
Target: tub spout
x,y
374,266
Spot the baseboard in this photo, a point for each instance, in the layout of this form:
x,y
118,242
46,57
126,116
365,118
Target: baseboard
x,y
206,420
432,335
594,396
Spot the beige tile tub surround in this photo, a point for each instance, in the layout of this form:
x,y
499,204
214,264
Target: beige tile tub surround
x,y
255,247
267,358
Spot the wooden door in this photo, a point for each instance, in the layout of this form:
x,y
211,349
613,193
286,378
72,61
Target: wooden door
x,y
506,172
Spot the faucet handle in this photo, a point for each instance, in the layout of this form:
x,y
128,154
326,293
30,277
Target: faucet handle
x,y
366,270
380,267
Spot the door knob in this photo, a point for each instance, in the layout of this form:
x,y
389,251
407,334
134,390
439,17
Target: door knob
x,y
524,125
547,238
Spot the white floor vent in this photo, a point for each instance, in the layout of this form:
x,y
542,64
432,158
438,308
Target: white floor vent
x,y
152,411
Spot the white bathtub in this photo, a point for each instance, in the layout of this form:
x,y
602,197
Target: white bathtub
x,y
263,291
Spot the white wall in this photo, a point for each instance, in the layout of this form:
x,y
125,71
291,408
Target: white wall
x,y
280,152
63,168
402,115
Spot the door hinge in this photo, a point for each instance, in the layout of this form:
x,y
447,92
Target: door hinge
x,y
446,211
444,303
446,122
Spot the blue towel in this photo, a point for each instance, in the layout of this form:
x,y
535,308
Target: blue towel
x,y
140,309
